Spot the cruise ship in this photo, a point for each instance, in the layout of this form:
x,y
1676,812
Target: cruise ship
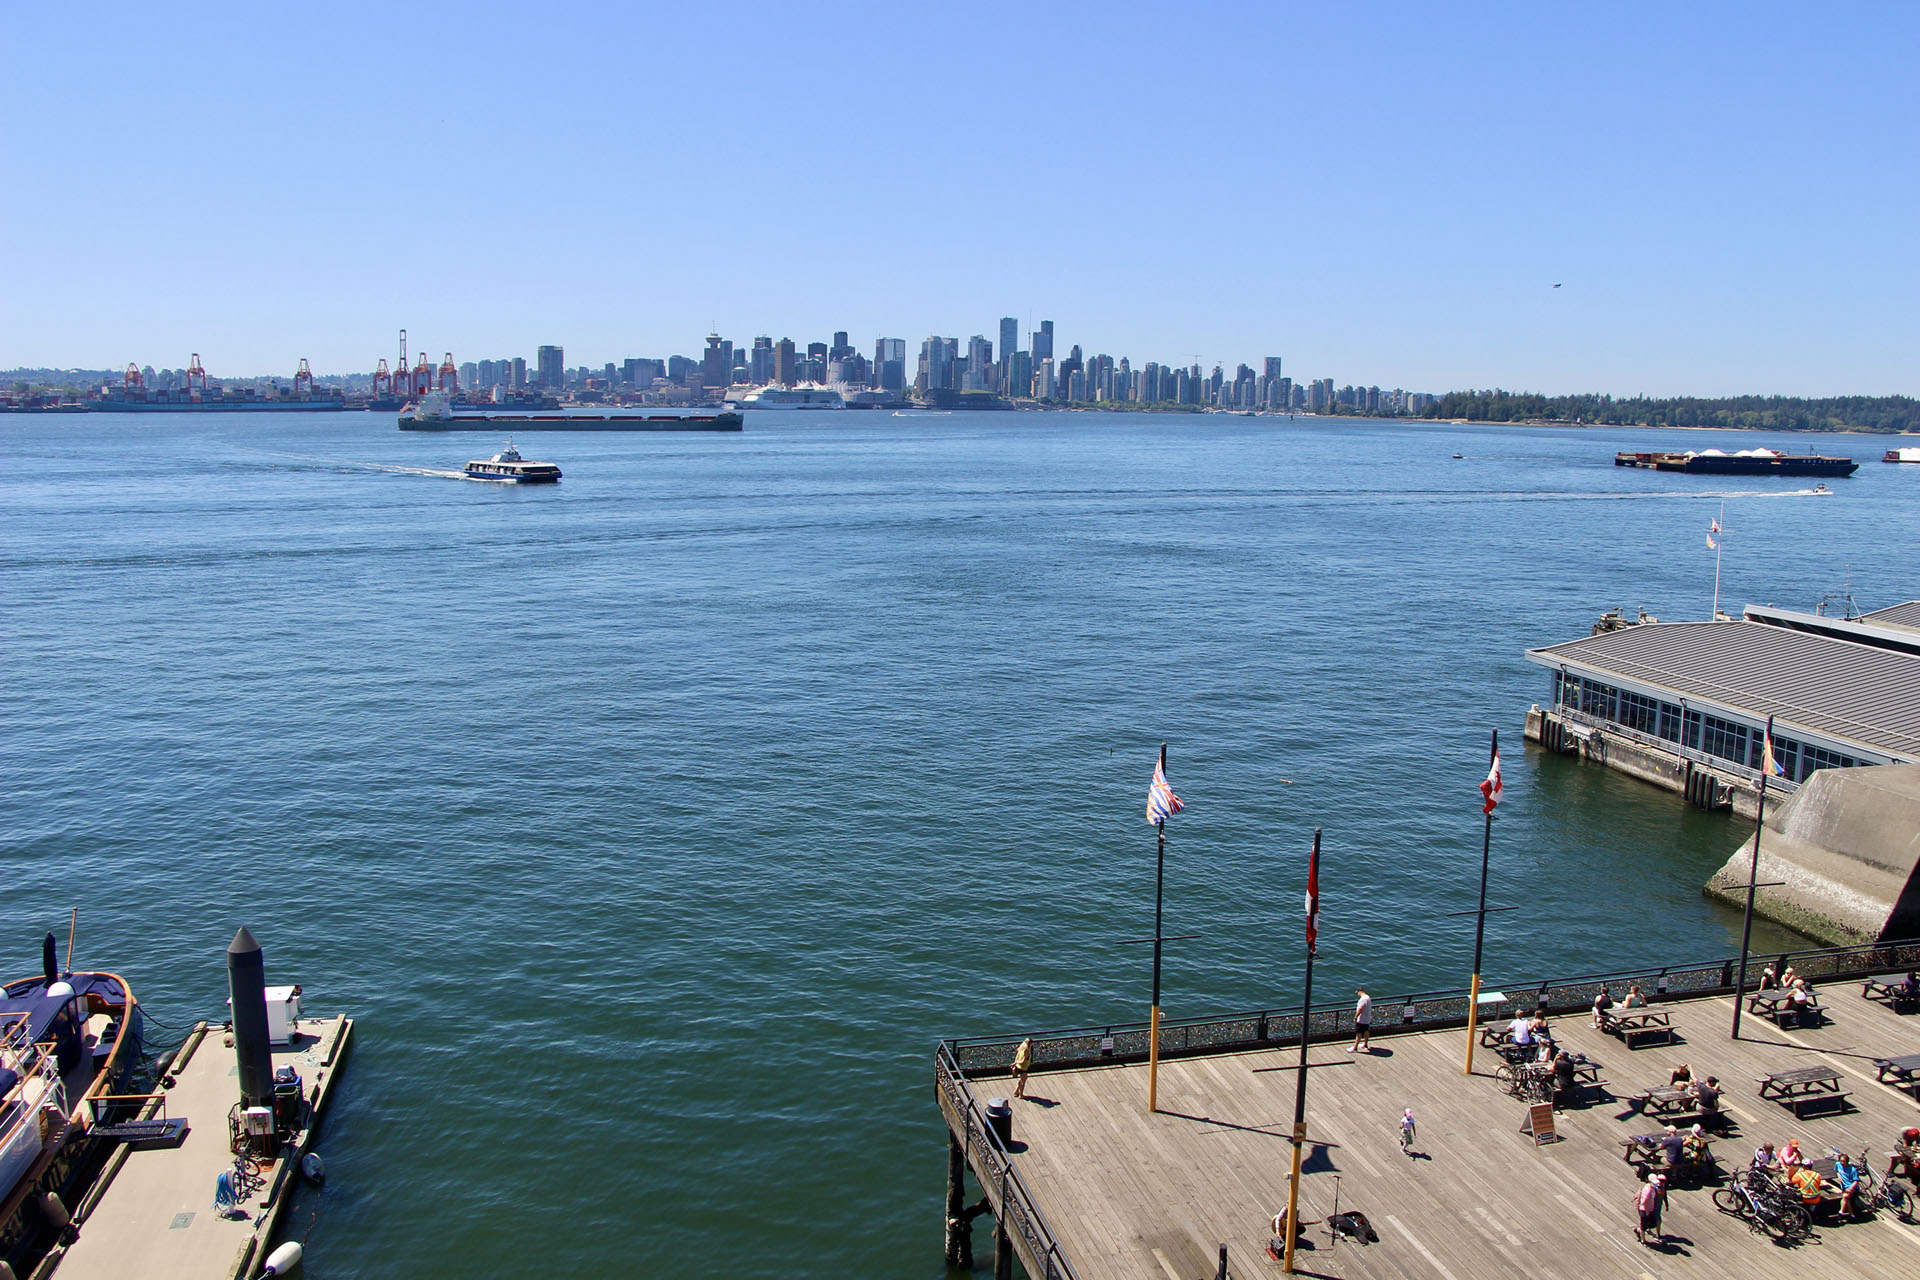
x,y
808,395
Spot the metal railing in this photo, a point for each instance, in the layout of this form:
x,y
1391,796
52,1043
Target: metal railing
x,y
1705,759
1019,1215
1417,1011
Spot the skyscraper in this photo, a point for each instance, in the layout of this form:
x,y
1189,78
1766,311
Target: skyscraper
x,y
716,363
760,363
890,364
551,363
784,372
1009,343
1043,342
979,357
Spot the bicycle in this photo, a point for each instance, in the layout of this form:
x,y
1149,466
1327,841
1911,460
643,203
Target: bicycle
x,y
1523,1081
1406,1132
236,1185
1764,1206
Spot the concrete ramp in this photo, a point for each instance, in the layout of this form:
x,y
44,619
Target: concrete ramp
x,y
1846,847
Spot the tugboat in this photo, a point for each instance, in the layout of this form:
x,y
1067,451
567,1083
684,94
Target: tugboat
x,y
508,465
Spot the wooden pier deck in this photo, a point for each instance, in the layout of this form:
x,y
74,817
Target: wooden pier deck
x,y
1133,1196
151,1213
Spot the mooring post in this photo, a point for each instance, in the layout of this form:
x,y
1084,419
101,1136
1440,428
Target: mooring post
x,y
959,1222
1002,1248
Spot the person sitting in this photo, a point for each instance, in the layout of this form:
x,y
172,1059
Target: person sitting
x,y
1787,976
1846,1176
1520,1031
1694,1147
1706,1095
1542,1035
1769,979
1563,1079
1910,989
1904,1159
1682,1077
1804,1182
1636,998
1602,1005
1673,1149
1799,999
1791,1155
1765,1159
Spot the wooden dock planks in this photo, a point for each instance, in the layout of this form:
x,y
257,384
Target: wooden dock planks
x,y
1140,1197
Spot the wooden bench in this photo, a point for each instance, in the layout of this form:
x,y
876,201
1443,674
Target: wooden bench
x,y
1634,1023
1888,988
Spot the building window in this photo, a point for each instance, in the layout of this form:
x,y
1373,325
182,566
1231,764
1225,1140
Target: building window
x,y
1669,722
1637,711
1723,738
1690,730
1812,758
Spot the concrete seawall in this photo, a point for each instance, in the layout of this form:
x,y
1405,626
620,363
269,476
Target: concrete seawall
x,y
1846,849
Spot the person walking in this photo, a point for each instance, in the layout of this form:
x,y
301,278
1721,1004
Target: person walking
x,y
1362,1022
1022,1064
1651,1200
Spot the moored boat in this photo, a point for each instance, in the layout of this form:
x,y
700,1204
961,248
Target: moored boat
x,y
1902,455
70,1044
508,465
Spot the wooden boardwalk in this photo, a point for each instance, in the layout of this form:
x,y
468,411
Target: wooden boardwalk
x,y
1132,1196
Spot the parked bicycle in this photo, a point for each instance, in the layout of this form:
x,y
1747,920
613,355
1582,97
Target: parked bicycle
x,y
1766,1206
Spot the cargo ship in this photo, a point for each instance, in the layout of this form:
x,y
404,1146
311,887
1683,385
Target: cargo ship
x,y
434,412
1902,455
1747,462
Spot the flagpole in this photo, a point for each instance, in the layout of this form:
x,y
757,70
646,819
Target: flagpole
x,y
1753,879
1719,528
1159,897
1480,921
1300,1084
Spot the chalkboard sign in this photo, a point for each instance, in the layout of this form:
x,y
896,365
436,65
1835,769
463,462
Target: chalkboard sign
x,y
1540,1121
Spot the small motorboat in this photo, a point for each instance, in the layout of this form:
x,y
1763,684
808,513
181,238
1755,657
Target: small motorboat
x,y
509,466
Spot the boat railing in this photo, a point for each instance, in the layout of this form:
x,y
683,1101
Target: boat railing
x,y
37,1109
1414,1011
1014,1204
1706,760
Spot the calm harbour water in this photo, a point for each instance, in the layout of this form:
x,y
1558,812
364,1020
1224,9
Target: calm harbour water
x,y
655,825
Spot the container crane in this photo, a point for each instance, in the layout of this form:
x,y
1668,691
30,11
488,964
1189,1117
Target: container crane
x,y
303,379
196,374
382,381
133,381
449,376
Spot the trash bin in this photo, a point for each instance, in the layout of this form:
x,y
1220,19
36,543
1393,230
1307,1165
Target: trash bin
x,y
1000,1120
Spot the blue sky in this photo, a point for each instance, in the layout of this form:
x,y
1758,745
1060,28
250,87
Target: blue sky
x,y
1381,193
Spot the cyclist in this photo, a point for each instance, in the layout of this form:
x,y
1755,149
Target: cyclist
x,y
1406,1130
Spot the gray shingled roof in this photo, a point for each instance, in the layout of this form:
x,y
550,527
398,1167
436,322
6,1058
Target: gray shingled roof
x,y
1836,687
1898,615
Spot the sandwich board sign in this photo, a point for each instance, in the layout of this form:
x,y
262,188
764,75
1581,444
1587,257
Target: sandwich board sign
x,y
1540,1121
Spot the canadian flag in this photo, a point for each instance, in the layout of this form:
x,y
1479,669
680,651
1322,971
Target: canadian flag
x,y
1491,787
1313,902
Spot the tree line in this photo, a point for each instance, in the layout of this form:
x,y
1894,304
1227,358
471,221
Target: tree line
x,y
1749,413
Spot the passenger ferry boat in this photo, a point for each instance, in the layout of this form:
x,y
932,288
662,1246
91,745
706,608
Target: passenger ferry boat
x,y
508,465
69,1047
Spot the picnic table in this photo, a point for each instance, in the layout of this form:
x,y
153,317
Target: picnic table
x,y
1801,1087
1904,1070
1631,1024
1668,1102
1777,1003
1643,1151
1890,987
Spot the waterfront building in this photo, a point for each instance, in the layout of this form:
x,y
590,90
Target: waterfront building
x,y
1685,705
551,363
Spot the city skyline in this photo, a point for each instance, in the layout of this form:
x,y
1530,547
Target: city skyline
x,y
1718,191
